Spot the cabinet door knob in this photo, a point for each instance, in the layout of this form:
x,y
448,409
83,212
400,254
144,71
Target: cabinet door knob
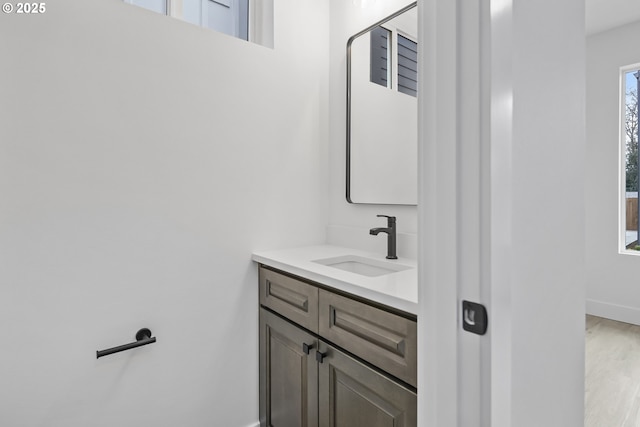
x,y
320,356
306,348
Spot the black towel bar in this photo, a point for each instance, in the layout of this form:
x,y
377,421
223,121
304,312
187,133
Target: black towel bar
x,y
143,337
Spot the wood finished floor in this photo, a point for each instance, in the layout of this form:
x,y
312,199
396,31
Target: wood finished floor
x,y
612,370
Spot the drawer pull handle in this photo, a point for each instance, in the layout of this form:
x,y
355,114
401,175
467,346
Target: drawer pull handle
x,y
320,356
306,348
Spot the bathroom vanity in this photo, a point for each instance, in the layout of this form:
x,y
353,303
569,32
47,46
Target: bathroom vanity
x,y
338,339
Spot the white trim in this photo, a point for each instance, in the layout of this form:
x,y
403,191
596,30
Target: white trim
x,y
438,379
612,311
622,226
392,72
261,23
455,209
500,215
174,8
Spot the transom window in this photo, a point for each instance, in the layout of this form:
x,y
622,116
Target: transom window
x,y
237,18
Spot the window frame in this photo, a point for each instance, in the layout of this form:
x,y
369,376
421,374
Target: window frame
x,y
622,161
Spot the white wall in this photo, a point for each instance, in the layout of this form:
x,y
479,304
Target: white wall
x,y
537,252
349,224
611,277
142,160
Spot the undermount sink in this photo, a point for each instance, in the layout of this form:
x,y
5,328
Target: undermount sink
x,y
361,265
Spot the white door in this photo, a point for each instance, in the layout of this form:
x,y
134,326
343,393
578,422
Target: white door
x,y
500,212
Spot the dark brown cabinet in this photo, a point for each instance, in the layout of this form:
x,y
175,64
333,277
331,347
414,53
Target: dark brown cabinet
x,y
288,375
352,394
309,380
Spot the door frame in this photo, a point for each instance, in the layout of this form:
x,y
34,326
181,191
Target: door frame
x,y
452,207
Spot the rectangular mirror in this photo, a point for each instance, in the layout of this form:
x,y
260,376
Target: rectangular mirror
x,y
382,111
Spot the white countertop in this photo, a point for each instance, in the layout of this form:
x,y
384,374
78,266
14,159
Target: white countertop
x,y
398,289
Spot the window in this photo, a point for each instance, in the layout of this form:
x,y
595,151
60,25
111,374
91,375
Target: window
x,y
232,17
394,68
226,16
629,141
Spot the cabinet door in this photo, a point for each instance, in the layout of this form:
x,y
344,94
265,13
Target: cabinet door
x,y
288,376
353,395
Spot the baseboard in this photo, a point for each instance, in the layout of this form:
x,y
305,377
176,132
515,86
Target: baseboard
x,y
611,311
254,425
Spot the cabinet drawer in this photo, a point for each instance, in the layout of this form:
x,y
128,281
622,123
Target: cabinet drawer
x,y
293,299
383,339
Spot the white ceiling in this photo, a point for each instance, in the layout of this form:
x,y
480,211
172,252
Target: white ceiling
x,y
606,14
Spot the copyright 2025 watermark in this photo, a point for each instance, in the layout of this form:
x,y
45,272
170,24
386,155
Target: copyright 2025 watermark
x,y
24,8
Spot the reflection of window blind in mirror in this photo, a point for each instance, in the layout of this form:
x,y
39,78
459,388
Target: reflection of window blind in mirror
x,y
407,66
380,38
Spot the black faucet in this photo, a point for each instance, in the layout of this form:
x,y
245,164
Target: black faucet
x,y
391,235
